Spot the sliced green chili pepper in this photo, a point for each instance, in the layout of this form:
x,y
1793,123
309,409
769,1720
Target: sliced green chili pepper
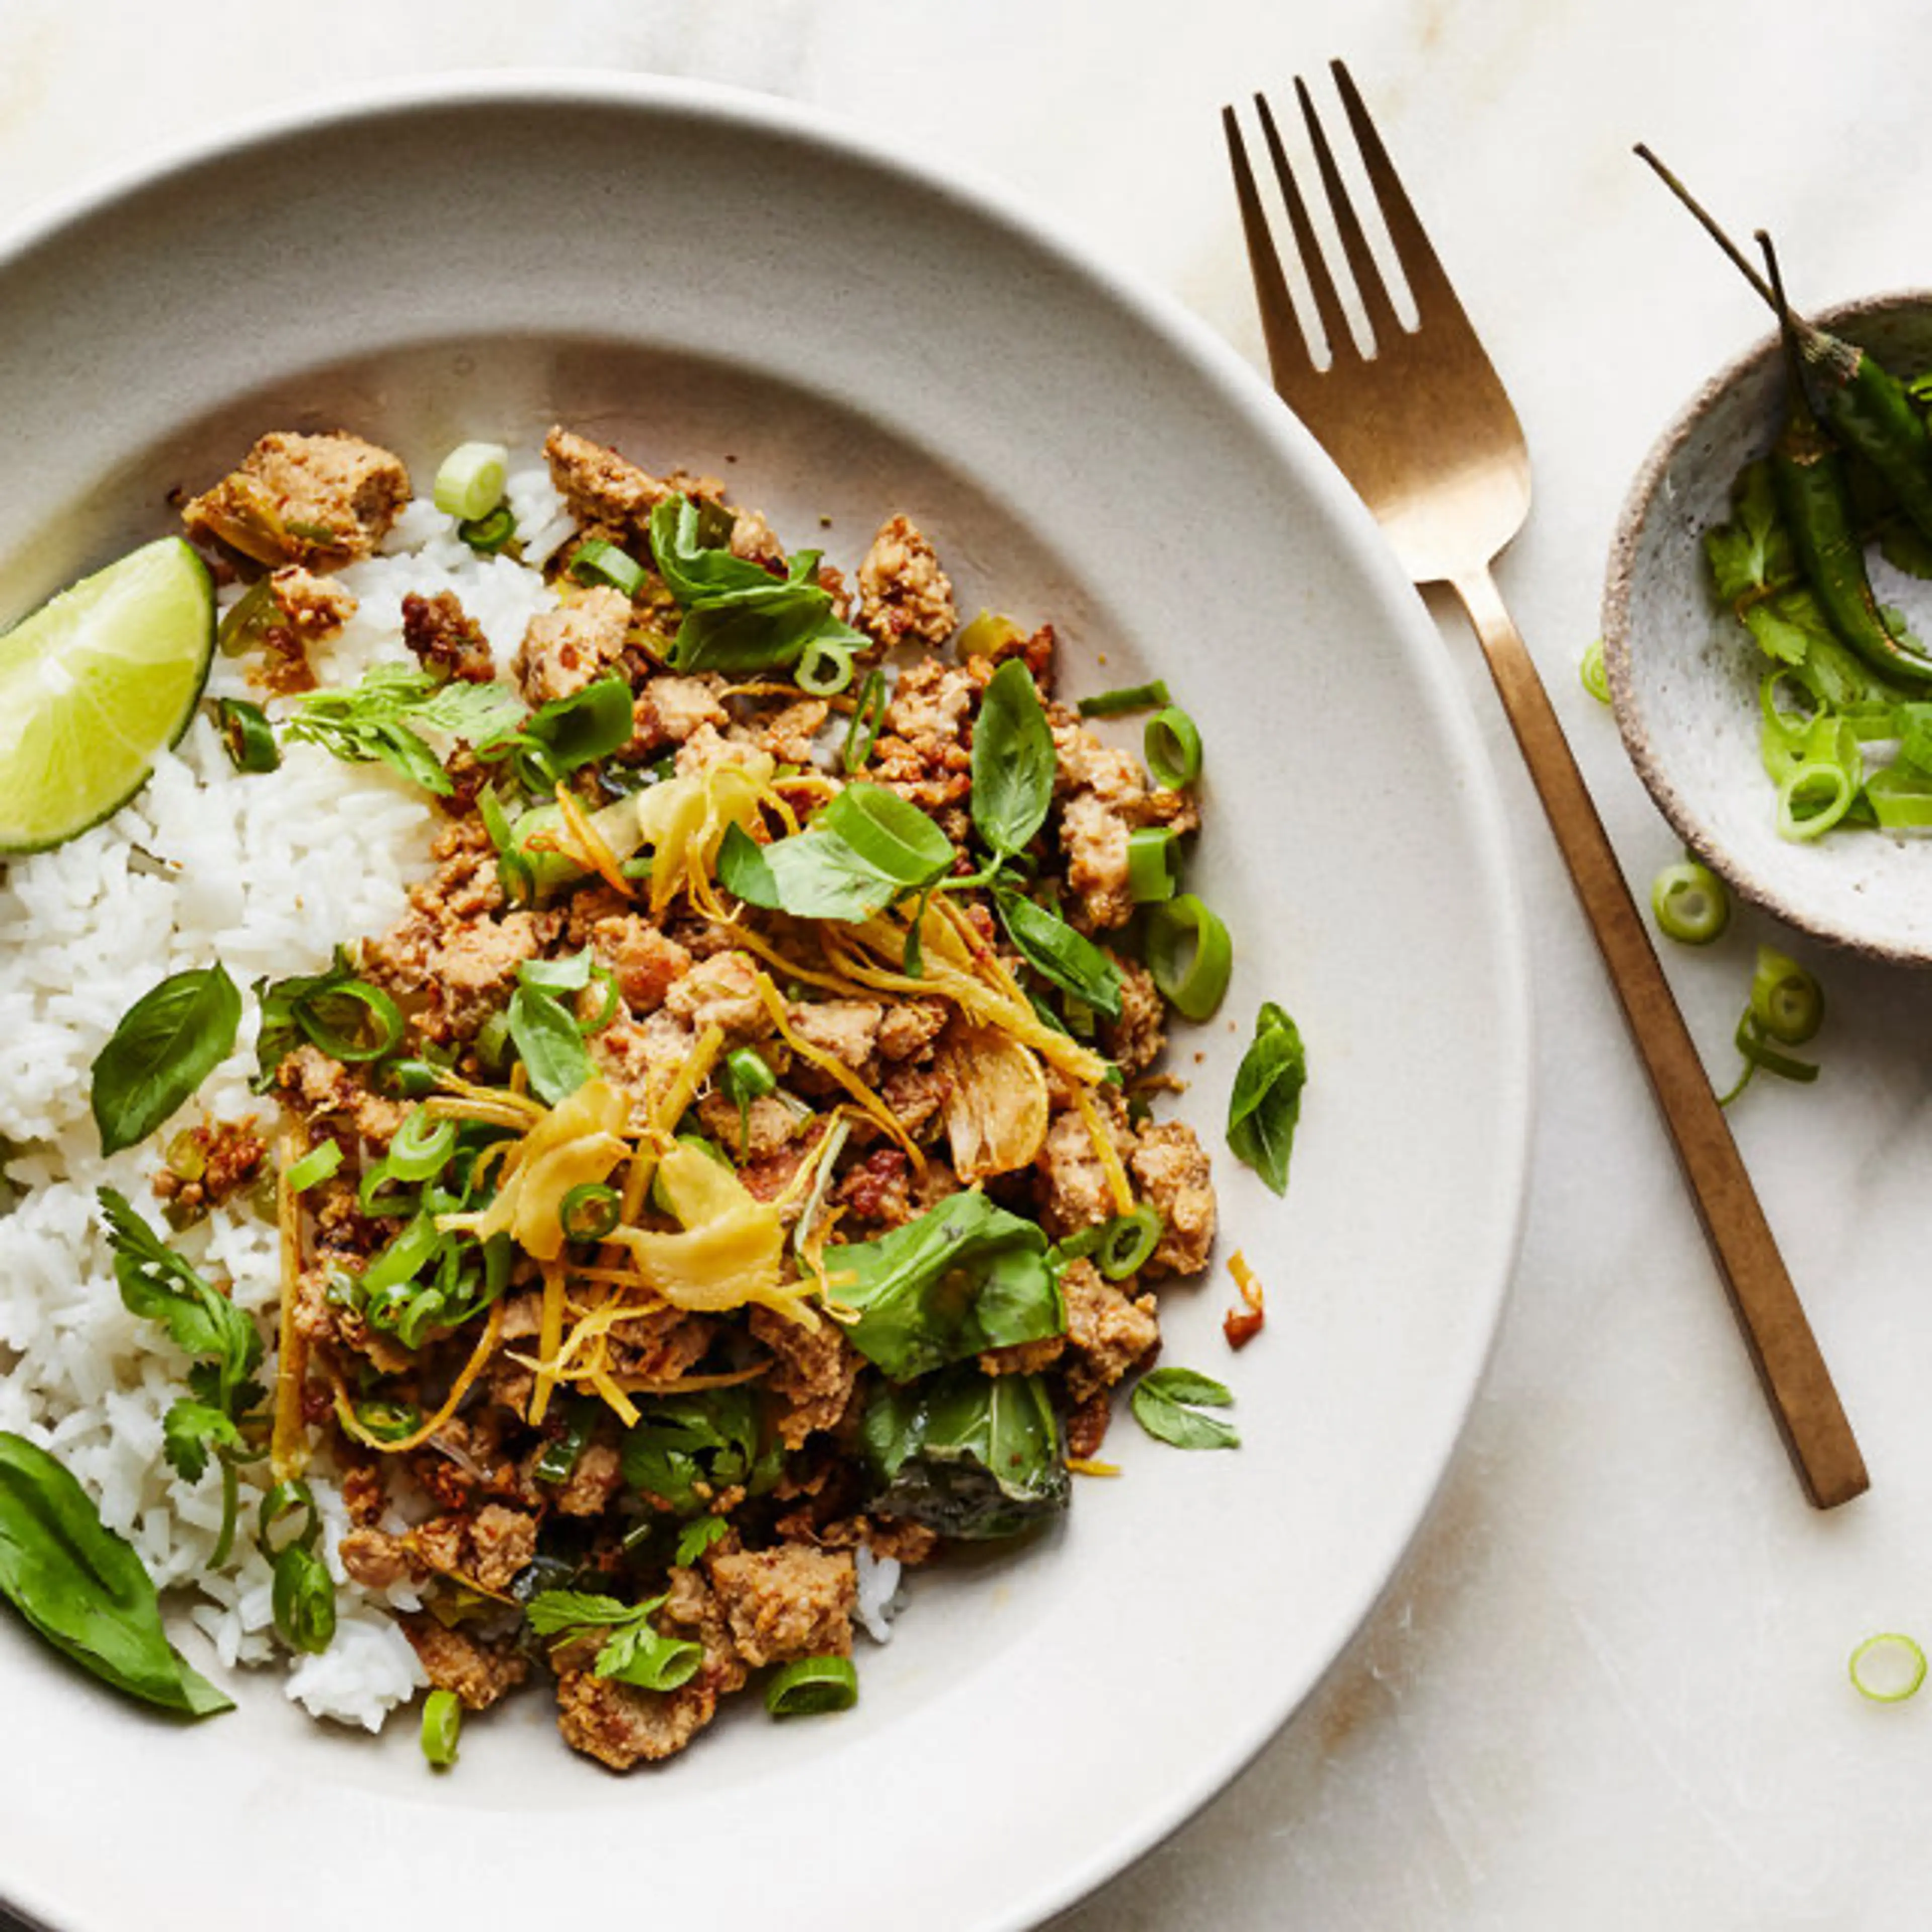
x,y
1127,1243
868,715
246,736
590,1211
1809,479
488,534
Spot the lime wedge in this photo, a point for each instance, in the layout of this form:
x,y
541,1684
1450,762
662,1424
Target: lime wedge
x,y
94,684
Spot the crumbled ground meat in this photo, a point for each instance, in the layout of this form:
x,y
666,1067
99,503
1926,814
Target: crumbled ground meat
x,y
1105,799
205,1165
445,639
847,1030
479,1673
1171,1169
646,963
721,991
668,710
475,969
621,1726
787,1603
377,1559
910,1027
813,1371
319,501
591,1485
565,649
1072,1184
764,1126
1108,1331
600,486
875,1188
1135,1040
904,596
501,1543
320,1088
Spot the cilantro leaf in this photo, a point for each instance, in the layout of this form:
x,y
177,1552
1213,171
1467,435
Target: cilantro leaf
x,y
382,717
190,1429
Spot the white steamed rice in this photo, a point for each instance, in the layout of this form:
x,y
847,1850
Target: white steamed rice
x,y
268,873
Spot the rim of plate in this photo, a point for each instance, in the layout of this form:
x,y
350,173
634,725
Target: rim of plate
x,y
1216,362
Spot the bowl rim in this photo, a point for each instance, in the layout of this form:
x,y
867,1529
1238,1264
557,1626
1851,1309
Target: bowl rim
x,y
1216,361
1619,579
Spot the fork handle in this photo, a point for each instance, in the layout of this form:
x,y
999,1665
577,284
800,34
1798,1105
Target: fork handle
x,y
1782,1348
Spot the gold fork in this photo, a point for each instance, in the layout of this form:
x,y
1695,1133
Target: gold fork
x,y
1423,430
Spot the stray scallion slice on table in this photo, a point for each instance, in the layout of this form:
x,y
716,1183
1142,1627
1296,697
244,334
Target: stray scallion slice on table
x,y
1690,903
1888,1668
441,1728
809,1686
1596,679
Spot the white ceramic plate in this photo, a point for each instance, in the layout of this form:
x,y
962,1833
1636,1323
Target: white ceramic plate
x,y
712,279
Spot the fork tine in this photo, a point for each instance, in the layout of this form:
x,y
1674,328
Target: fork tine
x,y
1288,358
1327,302
1383,324
1430,286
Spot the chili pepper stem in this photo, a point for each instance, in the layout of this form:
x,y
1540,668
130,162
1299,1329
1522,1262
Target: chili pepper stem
x,y
1794,361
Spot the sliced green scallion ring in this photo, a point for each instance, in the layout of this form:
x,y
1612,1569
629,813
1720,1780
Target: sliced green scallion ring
x,y
469,485
867,715
590,1211
376,1027
1190,956
1127,1243
318,1164
488,535
597,562
404,1258
1690,903
1154,864
1128,697
421,1146
246,736
1596,680
825,670
1811,798
373,1202
1787,1002
1171,744
608,1007
442,1727
1888,1668
812,1684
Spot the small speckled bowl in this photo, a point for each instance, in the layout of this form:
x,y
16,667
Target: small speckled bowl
x,y
1683,676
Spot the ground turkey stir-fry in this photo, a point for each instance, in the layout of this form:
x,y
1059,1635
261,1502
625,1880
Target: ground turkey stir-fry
x,y
722,1194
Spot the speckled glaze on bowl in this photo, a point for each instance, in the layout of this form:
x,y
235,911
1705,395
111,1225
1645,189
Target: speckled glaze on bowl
x,y
1683,677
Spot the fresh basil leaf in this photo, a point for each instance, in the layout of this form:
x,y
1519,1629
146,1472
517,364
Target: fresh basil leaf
x,y
1070,960
641,1655
82,1588
168,1042
865,847
1167,1402
570,974
743,869
1013,762
974,1457
684,1449
587,725
694,562
1266,1104
889,833
545,1033
760,630
965,1277
738,616
156,1284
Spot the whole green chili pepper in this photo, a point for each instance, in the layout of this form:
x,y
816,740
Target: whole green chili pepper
x,y
1809,481
1870,408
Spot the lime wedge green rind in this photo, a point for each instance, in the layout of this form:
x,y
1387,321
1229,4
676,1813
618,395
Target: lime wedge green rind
x,y
94,686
